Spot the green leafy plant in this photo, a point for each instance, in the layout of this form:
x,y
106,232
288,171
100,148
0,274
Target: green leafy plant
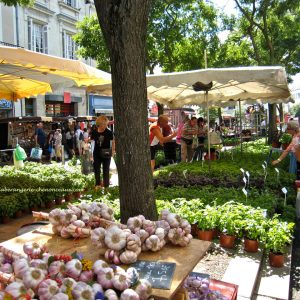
x,y
278,235
286,138
208,218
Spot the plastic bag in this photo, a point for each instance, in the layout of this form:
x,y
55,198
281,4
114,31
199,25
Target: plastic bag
x,y
20,153
36,153
19,164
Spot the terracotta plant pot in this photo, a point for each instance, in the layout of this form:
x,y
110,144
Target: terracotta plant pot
x,y
227,241
250,245
216,233
194,230
77,195
276,260
68,197
275,145
205,235
297,184
58,201
18,214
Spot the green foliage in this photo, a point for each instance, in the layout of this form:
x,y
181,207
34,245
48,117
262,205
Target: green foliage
x,y
286,138
208,218
16,2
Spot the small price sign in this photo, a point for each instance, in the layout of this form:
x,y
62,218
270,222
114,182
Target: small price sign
x,y
245,192
242,170
248,177
277,171
284,190
170,174
184,173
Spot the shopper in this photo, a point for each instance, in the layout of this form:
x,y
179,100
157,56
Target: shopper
x,y
201,135
189,130
86,156
104,149
40,136
58,144
157,138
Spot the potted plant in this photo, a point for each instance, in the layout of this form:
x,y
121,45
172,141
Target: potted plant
x,y
277,237
207,220
285,140
254,231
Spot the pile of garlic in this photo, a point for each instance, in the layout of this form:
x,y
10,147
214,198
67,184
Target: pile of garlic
x,y
63,277
124,245
77,221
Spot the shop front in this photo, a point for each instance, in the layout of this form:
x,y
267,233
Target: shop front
x,y
100,105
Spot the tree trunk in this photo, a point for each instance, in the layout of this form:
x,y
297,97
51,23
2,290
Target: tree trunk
x,y
124,26
272,123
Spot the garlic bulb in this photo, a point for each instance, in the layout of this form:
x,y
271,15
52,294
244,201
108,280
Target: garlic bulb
x,y
32,277
163,224
60,296
105,278
16,289
20,266
153,243
133,242
160,232
115,238
99,265
67,283
129,294
97,236
144,289
134,224
128,257
73,268
111,295
86,276
64,233
97,288
39,264
47,289
142,234
56,267
32,249
121,281
68,217
82,291
149,226
173,220
2,258
6,268
55,216
75,209
164,213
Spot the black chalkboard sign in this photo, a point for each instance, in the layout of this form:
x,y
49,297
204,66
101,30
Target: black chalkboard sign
x,y
159,274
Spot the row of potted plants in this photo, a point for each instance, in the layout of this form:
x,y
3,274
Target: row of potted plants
x,y
37,186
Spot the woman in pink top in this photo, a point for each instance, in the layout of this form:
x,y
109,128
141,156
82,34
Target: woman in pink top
x,y
293,129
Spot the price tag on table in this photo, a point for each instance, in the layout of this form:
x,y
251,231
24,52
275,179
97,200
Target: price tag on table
x,y
159,274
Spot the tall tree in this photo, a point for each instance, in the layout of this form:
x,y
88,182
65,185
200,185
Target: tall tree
x,y
16,2
124,27
273,28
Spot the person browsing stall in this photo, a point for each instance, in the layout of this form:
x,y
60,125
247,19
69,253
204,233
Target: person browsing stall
x,y
189,130
104,149
294,146
156,136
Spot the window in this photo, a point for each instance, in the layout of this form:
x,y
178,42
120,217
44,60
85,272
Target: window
x,y
59,109
70,3
29,107
37,37
69,46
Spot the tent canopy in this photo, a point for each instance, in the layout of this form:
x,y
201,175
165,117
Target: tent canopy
x,y
25,73
251,84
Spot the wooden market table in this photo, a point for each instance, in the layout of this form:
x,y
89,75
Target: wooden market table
x,y
185,258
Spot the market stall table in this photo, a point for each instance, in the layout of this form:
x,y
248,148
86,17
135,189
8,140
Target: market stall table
x,y
185,258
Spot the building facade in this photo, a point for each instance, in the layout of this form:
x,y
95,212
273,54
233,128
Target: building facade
x,y
46,27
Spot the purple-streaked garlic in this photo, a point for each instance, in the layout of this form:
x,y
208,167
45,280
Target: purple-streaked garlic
x,y
75,209
32,277
174,220
160,232
144,289
73,268
20,266
60,296
142,234
57,267
6,268
69,217
67,283
129,294
128,257
115,238
32,249
133,242
45,257
149,226
121,281
55,216
2,258
56,229
111,295
153,243
163,224
83,291
86,218
39,264
134,224
64,233
99,265
98,235
164,213
47,289
86,276
16,289
105,278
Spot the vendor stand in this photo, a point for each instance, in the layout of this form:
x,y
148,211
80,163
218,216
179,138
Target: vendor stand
x,y
185,258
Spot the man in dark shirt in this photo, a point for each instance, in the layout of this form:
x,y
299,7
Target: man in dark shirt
x,y
40,136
